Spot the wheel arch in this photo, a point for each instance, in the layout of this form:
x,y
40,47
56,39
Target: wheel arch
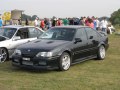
x,y
67,51
102,43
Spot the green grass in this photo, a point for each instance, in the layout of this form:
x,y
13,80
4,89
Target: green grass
x,y
89,75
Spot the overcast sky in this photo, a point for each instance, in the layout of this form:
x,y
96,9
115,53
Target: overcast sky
x,y
62,8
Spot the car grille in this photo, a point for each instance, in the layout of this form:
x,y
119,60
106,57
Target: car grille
x,y
28,55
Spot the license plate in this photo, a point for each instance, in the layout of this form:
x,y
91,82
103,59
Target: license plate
x,y
27,59
27,63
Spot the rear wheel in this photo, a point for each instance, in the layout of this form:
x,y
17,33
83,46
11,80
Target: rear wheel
x,y
101,52
4,55
65,62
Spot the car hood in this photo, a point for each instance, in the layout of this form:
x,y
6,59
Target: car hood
x,y
44,45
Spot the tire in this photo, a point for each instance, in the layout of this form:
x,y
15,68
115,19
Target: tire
x,y
65,62
101,53
4,55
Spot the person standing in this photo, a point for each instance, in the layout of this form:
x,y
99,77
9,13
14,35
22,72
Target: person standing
x,y
54,22
1,22
104,24
94,22
59,22
26,22
97,24
65,21
11,22
42,24
90,23
36,22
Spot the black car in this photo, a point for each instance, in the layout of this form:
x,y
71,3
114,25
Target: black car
x,y
60,47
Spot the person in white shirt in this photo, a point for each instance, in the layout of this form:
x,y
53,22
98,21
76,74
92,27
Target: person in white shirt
x,y
36,22
104,24
97,24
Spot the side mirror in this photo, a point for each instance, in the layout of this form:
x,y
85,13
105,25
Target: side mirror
x,y
78,40
16,38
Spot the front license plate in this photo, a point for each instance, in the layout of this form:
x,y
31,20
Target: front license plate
x,y
27,63
27,59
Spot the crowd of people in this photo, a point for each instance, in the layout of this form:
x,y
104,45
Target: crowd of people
x,y
47,23
92,22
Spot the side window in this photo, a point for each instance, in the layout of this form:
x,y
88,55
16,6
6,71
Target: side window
x,y
81,34
91,32
23,33
33,32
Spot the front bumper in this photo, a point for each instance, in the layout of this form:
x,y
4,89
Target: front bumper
x,y
36,63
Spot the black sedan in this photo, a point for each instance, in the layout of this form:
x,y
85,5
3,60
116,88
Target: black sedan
x,y
61,47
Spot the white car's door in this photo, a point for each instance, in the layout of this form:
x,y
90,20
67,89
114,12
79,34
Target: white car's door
x,y
25,35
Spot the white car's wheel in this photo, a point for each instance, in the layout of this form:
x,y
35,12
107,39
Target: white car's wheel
x,y
101,52
4,55
65,62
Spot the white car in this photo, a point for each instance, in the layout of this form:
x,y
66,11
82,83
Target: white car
x,y
13,36
110,29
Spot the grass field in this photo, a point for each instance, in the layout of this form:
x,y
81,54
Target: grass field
x,y
89,75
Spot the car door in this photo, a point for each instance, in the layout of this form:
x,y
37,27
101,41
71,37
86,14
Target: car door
x,y
93,40
24,37
80,48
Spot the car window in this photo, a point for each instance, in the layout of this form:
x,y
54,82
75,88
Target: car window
x,y
7,32
91,32
33,32
81,34
59,34
23,33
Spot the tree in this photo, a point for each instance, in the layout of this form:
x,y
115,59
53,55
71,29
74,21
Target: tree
x,y
33,17
24,17
115,17
117,21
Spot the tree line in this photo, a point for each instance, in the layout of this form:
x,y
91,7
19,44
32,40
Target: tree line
x,y
115,17
31,18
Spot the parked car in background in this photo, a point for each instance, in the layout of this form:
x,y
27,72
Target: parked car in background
x,y
15,35
60,47
110,29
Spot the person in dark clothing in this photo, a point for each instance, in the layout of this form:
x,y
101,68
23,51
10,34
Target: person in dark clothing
x,y
19,21
26,22
71,22
53,23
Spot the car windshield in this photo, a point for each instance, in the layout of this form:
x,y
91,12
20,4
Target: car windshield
x,y
7,32
59,34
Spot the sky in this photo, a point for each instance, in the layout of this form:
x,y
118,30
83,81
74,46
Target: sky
x,y
62,8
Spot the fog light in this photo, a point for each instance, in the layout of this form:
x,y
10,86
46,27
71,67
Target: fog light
x,y
16,60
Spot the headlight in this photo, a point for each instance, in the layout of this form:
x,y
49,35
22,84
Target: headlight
x,y
18,52
44,54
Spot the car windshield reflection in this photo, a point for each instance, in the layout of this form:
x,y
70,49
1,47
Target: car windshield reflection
x,y
7,32
66,34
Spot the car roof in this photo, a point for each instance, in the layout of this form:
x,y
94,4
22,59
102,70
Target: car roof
x,y
21,26
71,26
16,26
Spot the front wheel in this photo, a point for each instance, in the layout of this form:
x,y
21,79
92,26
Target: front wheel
x,y
3,55
101,52
65,62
